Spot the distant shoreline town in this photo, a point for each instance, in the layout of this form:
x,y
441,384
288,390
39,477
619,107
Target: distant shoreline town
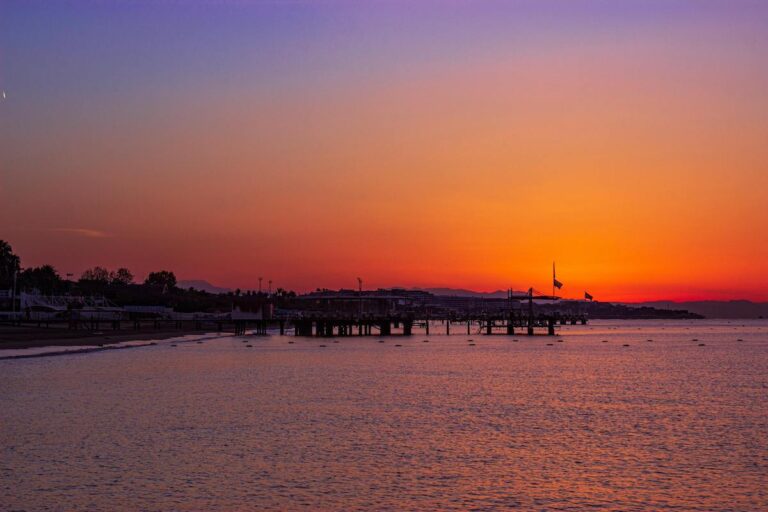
x,y
31,291
39,307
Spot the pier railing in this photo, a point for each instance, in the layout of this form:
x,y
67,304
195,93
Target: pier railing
x,y
325,324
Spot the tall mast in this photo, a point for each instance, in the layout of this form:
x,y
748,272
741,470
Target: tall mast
x,y
554,277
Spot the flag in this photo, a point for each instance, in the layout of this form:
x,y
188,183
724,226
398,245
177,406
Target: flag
x,y
587,296
555,283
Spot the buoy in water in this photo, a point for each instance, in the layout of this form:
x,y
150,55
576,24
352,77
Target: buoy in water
x,y
625,345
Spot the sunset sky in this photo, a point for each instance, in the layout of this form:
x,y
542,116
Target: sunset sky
x,y
413,143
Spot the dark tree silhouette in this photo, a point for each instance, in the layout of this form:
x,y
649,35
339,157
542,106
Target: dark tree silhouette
x,y
9,264
45,279
161,279
96,274
121,276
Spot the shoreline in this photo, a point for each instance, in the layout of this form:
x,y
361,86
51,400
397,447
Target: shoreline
x,y
24,337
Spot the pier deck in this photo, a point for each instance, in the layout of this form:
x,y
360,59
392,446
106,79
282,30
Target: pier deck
x,y
388,325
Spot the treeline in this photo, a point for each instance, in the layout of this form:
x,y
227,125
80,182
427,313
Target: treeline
x,y
119,286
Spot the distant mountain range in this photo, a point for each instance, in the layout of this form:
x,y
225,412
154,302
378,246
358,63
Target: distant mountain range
x,y
706,308
199,284
460,292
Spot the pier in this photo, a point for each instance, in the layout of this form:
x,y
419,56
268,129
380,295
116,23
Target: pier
x,y
407,325
321,314
394,312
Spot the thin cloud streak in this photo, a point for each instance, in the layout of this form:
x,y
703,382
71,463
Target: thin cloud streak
x,y
85,232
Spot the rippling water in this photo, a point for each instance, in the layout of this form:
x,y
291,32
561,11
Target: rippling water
x,y
576,425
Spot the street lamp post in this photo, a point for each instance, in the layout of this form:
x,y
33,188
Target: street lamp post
x,y
360,294
13,303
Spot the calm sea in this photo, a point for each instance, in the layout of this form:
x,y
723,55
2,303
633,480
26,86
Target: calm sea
x,y
581,424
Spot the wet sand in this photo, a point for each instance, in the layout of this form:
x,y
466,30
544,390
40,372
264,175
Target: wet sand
x,y
20,337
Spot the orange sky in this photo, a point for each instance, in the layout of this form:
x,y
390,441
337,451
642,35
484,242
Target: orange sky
x,y
634,154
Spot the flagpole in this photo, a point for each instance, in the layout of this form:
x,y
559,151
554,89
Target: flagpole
x,y
553,280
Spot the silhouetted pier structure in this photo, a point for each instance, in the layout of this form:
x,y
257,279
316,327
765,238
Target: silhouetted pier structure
x,y
406,325
333,314
510,319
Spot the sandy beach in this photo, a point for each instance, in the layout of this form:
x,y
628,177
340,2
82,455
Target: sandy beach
x,y
20,337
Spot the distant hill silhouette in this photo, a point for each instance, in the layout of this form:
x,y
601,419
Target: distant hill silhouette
x,y
199,284
460,292
706,308
714,308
